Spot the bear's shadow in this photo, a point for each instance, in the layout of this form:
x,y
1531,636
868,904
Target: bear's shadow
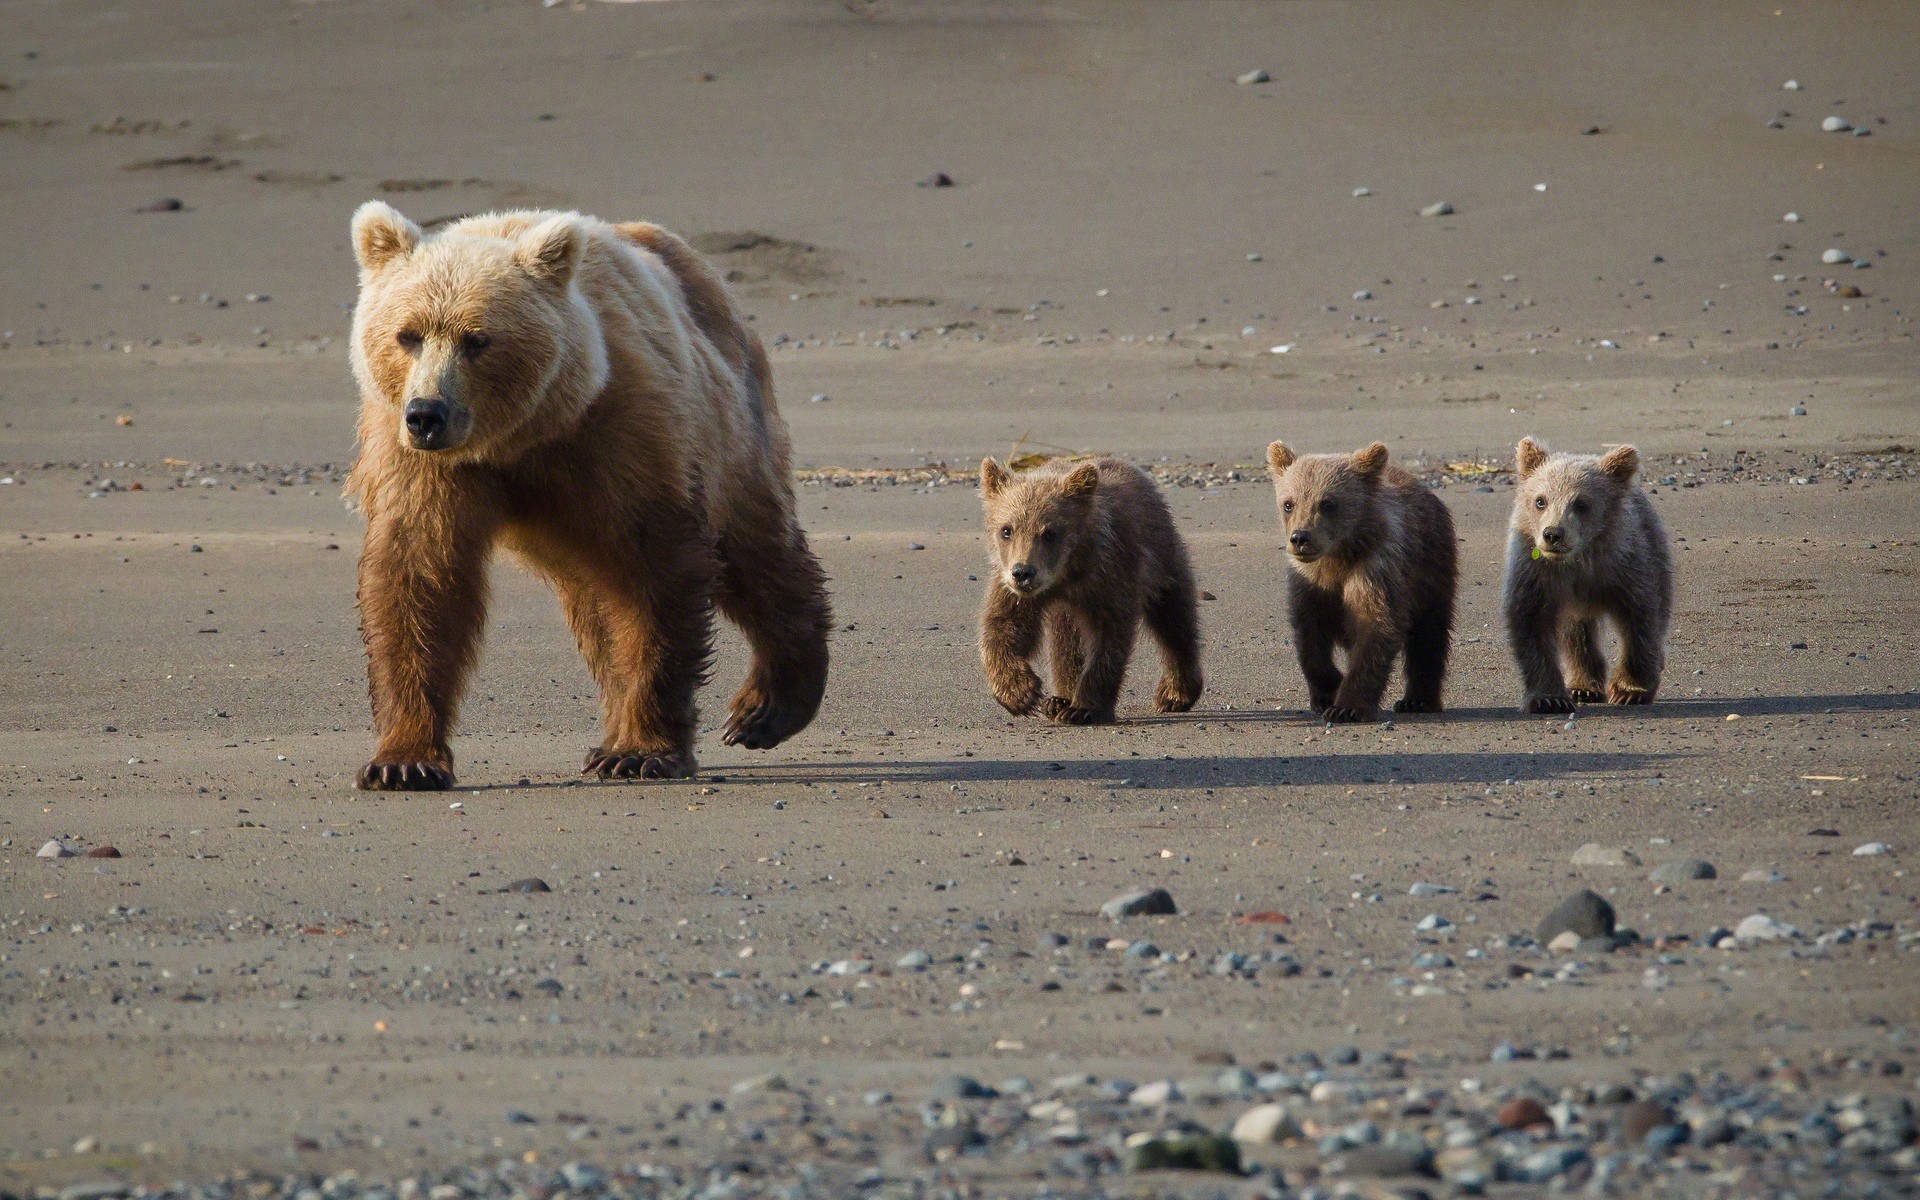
x,y
1689,708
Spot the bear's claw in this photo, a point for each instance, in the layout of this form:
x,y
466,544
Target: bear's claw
x,y
403,777
1340,714
1583,695
1410,705
1550,704
763,724
638,764
1621,693
1169,698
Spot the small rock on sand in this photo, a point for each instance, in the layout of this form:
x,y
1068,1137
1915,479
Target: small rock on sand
x,y
1683,870
1438,209
1835,125
1141,902
1762,928
55,848
1254,76
1593,854
1871,849
1584,913
1265,1124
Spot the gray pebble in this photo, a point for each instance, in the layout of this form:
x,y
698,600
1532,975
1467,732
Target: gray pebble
x,y
1585,913
1142,902
1683,870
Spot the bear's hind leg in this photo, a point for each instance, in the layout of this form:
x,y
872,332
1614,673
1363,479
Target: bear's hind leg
x,y
655,627
1586,663
1066,658
1428,643
1108,644
772,587
1173,618
1642,655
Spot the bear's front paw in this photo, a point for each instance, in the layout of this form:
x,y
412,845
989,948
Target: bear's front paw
x,y
1172,697
1346,714
760,722
1019,696
1051,707
1067,714
1549,704
1586,695
639,764
404,777
1619,692
1411,705
1319,702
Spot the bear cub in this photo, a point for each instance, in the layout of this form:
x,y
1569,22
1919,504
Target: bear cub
x,y
1585,544
1083,553
1373,571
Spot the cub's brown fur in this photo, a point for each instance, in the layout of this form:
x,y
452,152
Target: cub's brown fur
x,y
1585,544
585,395
1374,567
1084,553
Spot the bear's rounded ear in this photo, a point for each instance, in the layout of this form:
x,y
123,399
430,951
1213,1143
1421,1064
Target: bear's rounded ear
x,y
993,477
551,250
1621,462
1081,481
1280,456
1370,461
381,234
1528,456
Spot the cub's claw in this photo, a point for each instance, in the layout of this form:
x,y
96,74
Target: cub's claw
x,y
1621,693
760,724
1340,714
638,764
1169,698
1052,707
1082,716
403,777
1583,695
1550,704
1410,705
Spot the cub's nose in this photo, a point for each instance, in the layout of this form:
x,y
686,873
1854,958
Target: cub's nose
x,y
1021,574
1553,535
426,420
1300,539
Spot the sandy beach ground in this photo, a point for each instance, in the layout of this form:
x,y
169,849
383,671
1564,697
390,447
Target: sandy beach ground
x,y
1137,255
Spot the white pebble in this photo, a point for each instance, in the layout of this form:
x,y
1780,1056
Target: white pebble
x,y
1834,255
1437,209
1872,848
1792,218
1359,192
1286,348
1835,125
1791,85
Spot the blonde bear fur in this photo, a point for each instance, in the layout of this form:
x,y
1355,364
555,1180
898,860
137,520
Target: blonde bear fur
x,y
1585,545
587,396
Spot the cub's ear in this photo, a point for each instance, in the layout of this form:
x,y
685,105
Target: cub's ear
x,y
551,250
1621,462
1280,456
1528,456
1081,481
1370,461
993,477
381,234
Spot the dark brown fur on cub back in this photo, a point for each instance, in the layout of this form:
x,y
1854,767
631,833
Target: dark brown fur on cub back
x,y
1083,553
1374,567
1585,545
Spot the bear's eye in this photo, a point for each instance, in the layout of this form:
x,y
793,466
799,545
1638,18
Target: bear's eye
x,y
1578,506
1328,508
473,343
1006,533
1286,506
408,338
1540,502
1048,535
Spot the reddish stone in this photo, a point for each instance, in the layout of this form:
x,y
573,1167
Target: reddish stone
x,y
1522,1112
104,852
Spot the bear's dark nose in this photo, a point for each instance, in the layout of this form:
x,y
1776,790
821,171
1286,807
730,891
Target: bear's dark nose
x,y
1300,539
1553,535
1022,573
426,420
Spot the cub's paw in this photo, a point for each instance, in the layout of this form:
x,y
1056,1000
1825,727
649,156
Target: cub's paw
x,y
404,777
1628,693
1549,704
1586,695
1410,705
639,764
760,722
1067,714
1170,697
1342,714
1019,696
1318,703
1051,707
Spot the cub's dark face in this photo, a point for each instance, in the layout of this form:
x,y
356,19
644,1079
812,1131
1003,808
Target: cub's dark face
x,y
460,337
1035,522
1565,501
1324,499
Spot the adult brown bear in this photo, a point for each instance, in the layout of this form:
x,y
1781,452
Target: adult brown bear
x,y
587,396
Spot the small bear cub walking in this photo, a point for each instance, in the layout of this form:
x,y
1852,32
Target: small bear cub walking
x,y
1374,568
1083,553
1585,544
